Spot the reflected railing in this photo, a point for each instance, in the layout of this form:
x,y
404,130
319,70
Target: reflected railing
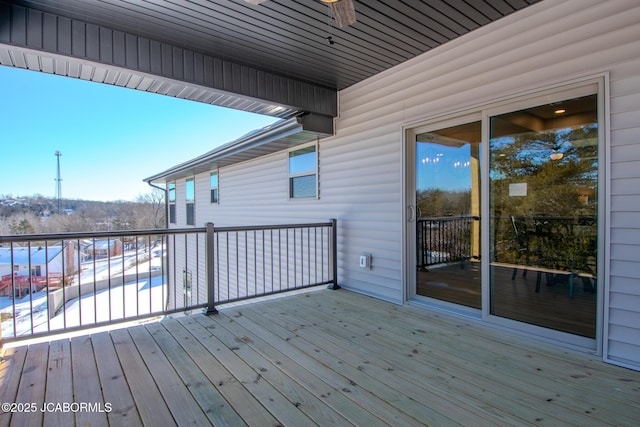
x,y
560,248
554,242
442,240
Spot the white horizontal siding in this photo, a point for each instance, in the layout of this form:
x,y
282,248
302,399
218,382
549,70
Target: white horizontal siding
x,y
539,47
359,185
361,167
623,311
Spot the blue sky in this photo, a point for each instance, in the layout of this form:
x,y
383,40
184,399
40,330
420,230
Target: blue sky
x,y
111,138
442,167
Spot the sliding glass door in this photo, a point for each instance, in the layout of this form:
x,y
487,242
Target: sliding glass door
x,y
543,174
503,213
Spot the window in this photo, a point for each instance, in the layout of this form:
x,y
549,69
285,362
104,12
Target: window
x,y
190,196
303,167
172,202
214,187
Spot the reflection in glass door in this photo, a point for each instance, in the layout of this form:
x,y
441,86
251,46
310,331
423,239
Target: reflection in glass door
x,y
447,217
543,170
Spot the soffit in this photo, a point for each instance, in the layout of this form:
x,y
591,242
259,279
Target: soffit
x,y
288,37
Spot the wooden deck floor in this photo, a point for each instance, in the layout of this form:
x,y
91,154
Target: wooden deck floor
x,y
328,358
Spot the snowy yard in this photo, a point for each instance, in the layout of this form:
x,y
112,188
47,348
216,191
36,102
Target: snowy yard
x,y
135,298
120,302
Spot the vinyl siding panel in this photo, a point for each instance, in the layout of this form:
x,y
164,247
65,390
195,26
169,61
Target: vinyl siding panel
x,y
623,329
256,193
536,48
361,167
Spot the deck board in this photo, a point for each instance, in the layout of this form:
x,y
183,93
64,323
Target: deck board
x,y
280,379
453,371
329,385
205,394
285,411
151,406
415,390
519,379
308,392
32,385
59,383
370,393
251,412
183,407
114,384
86,382
318,358
10,373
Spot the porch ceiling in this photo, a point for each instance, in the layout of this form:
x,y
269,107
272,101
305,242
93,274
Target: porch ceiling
x,y
285,38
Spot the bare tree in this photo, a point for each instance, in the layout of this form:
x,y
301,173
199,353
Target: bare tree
x,y
149,210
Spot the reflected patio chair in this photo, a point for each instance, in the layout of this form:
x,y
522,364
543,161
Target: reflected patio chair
x,y
522,240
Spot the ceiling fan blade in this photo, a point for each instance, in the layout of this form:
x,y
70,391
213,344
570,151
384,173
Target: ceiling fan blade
x,y
344,12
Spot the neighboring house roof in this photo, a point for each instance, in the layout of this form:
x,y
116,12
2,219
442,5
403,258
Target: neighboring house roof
x,y
24,256
278,136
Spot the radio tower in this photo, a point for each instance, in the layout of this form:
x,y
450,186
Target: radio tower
x,y
58,181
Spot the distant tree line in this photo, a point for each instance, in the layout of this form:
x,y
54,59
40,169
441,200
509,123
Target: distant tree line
x,y
38,214
439,203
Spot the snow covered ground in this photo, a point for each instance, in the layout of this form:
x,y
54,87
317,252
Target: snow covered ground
x,y
136,298
114,266
120,302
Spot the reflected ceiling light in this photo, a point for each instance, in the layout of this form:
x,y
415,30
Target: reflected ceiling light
x,y
329,1
560,111
556,155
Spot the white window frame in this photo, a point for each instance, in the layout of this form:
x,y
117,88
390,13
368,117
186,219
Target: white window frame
x,y
171,201
188,201
559,91
216,188
309,172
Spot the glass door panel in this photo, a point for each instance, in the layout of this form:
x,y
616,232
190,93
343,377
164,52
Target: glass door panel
x,y
448,214
543,171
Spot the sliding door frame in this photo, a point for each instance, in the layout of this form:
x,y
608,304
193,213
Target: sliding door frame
x,y
589,85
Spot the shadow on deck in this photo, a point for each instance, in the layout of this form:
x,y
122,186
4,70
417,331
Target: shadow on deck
x,y
319,358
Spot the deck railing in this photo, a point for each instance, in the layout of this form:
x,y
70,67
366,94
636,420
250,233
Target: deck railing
x,y
70,281
444,239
